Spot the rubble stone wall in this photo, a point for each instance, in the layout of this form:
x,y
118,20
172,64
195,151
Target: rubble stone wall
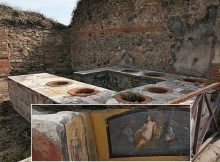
x,y
4,53
35,43
164,35
37,50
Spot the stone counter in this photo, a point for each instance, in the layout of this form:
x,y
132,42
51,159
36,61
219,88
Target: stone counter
x,y
30,89
25,90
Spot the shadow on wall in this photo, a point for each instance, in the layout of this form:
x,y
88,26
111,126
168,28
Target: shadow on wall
x,y
197,45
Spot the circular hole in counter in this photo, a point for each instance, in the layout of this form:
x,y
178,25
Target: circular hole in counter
x,y
159,90
83,91
194,80
155,74
130,71
59,83
131,98
187,91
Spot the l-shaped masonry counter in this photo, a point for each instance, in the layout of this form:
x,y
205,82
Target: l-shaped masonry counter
x,y
99,86
25,90
42,88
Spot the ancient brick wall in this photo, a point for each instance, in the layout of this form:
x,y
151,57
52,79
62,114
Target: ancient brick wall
x,y
56,51
37,50
36,44
4,53
164,35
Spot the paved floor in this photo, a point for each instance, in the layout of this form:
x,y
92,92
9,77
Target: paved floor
x,y
211,153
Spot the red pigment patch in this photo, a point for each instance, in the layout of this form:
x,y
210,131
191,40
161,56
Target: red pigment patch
x,y
44,149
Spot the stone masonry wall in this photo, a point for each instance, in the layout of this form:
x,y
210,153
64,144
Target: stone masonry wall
x,y
37,50
4,53
215,68
164,35
35,43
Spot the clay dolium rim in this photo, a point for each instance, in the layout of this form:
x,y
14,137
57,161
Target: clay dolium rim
x,y
131,98
158,89
130,70
58,83
83,91
155,74
194,80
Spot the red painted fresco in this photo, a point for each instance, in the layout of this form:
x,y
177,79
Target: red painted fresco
x,y
44,149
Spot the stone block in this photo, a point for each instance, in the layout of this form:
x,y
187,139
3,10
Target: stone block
x,y
4,54
2,31
3,47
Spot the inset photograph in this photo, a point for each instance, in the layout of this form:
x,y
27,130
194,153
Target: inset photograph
x,y
111,132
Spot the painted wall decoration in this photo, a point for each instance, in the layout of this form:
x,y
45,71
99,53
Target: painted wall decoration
x,y
151,132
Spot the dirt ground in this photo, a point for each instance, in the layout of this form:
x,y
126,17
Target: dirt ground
x,y
15,132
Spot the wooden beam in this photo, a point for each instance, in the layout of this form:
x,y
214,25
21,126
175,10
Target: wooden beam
x,y
195,106
198,120
212,112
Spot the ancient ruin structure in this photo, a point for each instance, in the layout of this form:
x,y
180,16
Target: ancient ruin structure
x,y
156,51
47,88
179,37
164,35
31,43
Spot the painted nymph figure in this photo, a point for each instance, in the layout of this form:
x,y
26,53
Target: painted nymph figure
x,y
144,135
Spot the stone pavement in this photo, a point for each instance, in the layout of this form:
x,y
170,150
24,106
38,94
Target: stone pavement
x,y
211,153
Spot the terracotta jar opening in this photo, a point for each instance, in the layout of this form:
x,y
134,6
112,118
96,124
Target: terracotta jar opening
x,y
158,90
83,91
130,97
155,74
58,83
186,91
130,71
193,80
